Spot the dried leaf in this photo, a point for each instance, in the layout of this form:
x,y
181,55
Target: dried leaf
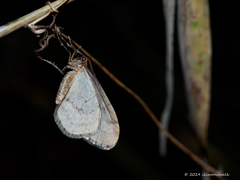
x,y
195,51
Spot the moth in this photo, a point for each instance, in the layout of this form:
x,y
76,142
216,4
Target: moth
x,y
83,109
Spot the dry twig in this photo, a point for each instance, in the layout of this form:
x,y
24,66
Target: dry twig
x,y
20,22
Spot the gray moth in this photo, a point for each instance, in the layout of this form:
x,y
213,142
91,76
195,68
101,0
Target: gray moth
x,y
83,109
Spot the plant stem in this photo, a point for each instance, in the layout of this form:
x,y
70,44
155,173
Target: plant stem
x,y
22,21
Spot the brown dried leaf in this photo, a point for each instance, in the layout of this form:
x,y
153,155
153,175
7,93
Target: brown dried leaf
x,y
195,51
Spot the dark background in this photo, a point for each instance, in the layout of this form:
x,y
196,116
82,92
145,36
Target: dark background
x,y
128,38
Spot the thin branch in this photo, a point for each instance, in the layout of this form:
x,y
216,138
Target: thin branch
x,y
169,14
20,22
150,113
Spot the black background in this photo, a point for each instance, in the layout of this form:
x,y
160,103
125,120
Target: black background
x,y
128,38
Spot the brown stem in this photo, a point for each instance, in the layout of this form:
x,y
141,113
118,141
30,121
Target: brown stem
x,y
150,113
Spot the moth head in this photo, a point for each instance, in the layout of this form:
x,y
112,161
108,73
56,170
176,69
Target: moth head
x,y
79,61
84,59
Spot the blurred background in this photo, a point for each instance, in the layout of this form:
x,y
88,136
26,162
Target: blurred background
x,y
128,38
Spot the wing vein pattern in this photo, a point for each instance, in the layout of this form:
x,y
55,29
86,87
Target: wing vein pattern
x,y
86,112
107,134
79,112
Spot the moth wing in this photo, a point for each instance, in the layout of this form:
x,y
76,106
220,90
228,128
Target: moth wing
x,y
79,112
107,133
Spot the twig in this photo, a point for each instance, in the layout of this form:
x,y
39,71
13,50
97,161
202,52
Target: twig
x,y
20,22
169,12
150,113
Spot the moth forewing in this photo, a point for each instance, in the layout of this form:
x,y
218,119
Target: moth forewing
x,y
79,112
83,109
107,134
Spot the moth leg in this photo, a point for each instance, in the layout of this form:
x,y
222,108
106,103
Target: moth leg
x,y
58,33
59,36
69,43
43,46
71,57
75,51
73,47
91,67
54,65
